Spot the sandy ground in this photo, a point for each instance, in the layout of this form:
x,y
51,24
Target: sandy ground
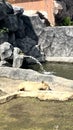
x,y
9,85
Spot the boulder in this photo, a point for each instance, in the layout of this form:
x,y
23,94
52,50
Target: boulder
x,y
45,40
2,23
3,37
11,38
29,31
20,33
24,74
25,44
37,24
18,61
6,51
37,53
33,26
3,12
5,9
18,58
56,42
11,22
18,10
4,63
9,8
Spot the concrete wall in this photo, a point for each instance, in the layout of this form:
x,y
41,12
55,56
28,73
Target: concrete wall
x,y
57,43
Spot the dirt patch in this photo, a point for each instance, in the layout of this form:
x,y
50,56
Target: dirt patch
x,y
31,114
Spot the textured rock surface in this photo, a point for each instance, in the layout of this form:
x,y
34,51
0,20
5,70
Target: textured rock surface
x,y
2,11
6,51
3,37
57,42
12,38
30,75
18,10
25,44
17,58
25,74
11,22
4,63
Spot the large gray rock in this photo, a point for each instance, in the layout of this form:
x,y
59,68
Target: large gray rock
x,y
18,10
62,44
46,39
25,44
6,51
3,12
3,37
34,26
4,63
5,9
11,22
37,53
57,42
20,33
25,74
18,58
9,8
37,24
11,38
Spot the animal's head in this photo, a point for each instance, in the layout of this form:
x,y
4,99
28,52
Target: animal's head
x,y
45,83
45,86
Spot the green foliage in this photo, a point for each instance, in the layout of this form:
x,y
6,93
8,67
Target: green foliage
x,y
4,30
67,22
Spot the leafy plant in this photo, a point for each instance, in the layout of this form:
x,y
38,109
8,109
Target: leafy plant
x,y
3,30
67,22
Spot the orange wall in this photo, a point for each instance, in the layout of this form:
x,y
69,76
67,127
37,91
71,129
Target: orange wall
x,y
43,5
35,5
49,7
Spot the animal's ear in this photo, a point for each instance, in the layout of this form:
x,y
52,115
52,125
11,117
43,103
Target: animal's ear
x,y
42,82
22,89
